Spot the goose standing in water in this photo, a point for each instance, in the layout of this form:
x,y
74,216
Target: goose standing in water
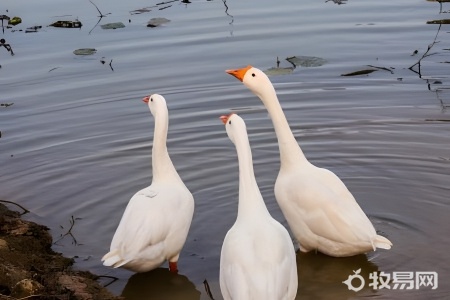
x,y
320,210
156,222
258,258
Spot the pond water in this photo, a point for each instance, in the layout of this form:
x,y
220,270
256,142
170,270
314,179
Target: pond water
x,y
77,141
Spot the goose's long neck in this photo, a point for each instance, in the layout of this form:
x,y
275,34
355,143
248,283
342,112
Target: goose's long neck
x,y
163,168
251,202
290,152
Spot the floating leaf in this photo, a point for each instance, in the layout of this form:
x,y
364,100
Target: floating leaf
x,y
361,72
306,61
155,22
84,51
443,21
67,24
113,25
278,71
142,10
14,21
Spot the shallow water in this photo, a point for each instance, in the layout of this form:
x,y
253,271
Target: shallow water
x,y
77,141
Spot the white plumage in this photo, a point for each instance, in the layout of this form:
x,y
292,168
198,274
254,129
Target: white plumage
x,y
258,258
320,210
156,222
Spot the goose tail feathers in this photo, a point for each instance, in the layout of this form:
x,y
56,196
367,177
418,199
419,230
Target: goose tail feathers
x,y
113,259
382,242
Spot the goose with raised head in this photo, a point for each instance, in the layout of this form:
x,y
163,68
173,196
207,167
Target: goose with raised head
x,y
321,212
258,258
156,221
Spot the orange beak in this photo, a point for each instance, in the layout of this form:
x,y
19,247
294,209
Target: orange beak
x,y
239,73
146,99
225,118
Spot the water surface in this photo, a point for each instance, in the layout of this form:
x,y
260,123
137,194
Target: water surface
x,y
77,141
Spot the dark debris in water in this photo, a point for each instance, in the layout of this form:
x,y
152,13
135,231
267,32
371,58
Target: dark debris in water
x,y
438,120
103,61
67,24
33,29
338,2
382,68
360,72
6,104
443,21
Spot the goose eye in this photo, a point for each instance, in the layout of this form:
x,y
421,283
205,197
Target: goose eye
x,y
151,99
229,122
253,75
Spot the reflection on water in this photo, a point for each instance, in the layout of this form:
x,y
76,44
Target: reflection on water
x,y
160,284
318,273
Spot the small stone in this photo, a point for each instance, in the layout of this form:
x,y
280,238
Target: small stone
x,y
3,244
25,288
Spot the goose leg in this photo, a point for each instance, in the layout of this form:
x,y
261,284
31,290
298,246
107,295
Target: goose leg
x,y
173,267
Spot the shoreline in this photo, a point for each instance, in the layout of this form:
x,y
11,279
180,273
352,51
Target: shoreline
x,y
29,268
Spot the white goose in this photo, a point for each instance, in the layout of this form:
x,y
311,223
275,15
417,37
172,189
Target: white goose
x,y
258,257
156,222
321,212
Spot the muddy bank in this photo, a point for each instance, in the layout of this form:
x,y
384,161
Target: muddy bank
x,y
28,265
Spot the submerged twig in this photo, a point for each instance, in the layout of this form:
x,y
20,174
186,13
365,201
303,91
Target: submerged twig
x,y
443,105
95,25
110,65
101,15
25,211
426,54
69,231
226,12
6,46
208,290
113,279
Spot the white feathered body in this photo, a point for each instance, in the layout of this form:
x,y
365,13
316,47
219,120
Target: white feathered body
x,y
156,222
258,262
153,228
258,257
322,213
